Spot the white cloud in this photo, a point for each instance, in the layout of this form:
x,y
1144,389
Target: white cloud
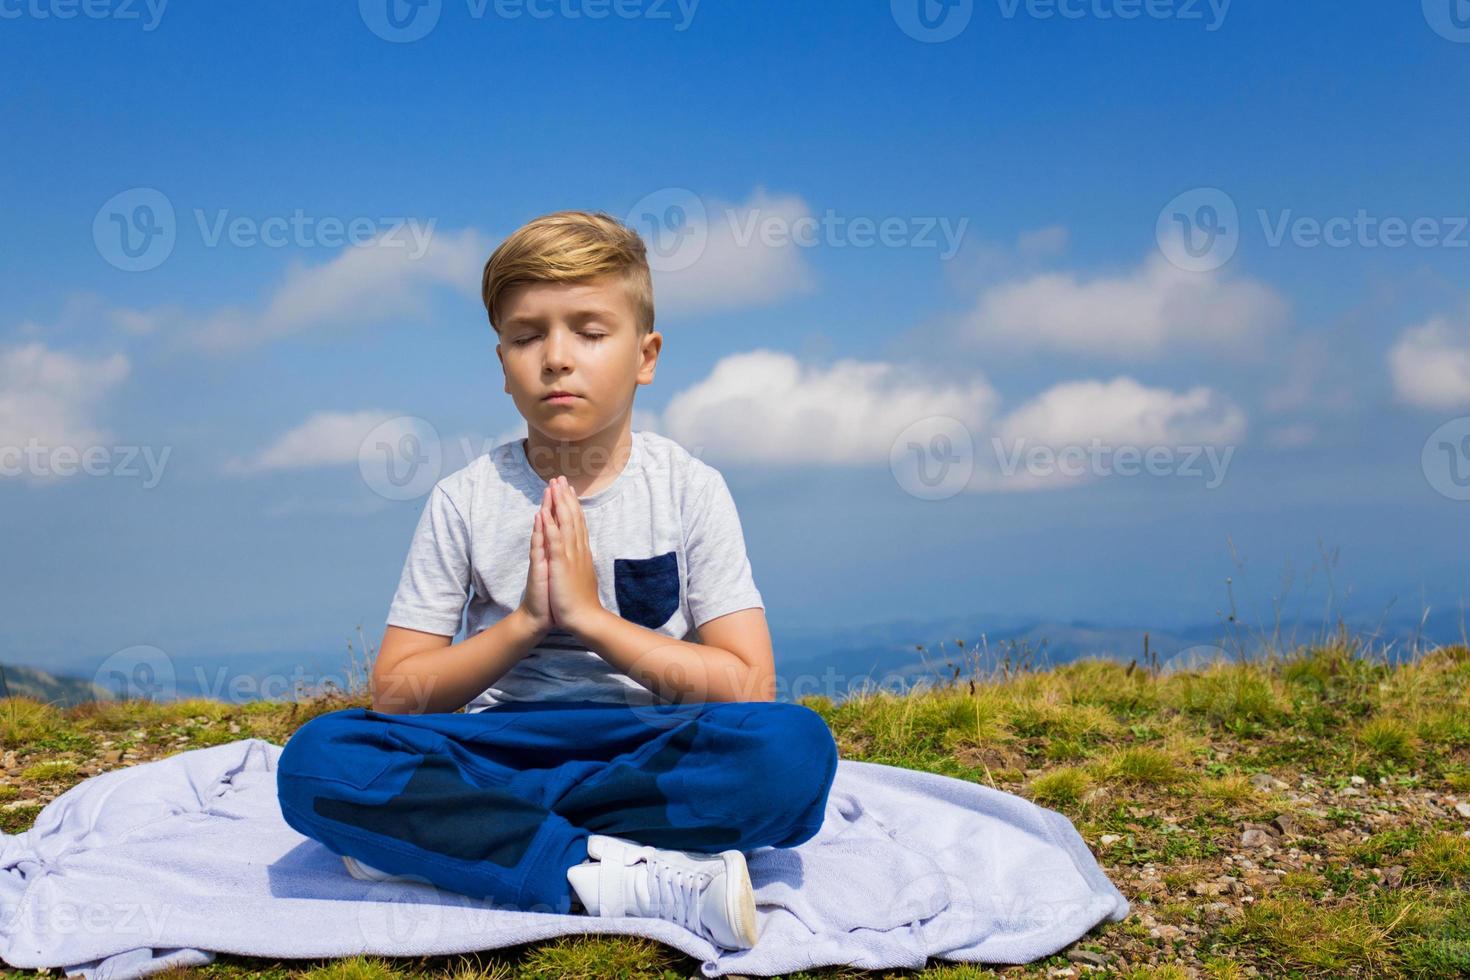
x,y
740,266
1099,428
1048,241
764,406
329,438
1430,365
980,261
381,280
1315,373
1292,436
324,439
1122,412
1141,314
50,395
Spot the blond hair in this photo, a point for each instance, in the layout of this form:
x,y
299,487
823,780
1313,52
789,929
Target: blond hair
x,y
571,246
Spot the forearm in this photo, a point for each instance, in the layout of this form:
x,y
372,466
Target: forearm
x,y
676,670
448,678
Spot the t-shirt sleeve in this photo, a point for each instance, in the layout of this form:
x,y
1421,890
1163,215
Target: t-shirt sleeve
x,y
719,574
436,575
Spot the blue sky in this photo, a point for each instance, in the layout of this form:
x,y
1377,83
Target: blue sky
x,y
1034,171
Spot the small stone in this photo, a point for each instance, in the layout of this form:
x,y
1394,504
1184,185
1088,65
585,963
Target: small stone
x,y
1087,957
1393,876
1255,838
113,757
1357,780
1166,932
1350,791
1266,783
1463,809
1107,839
1286,824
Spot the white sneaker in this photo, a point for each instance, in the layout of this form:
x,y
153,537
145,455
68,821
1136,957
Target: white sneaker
x,y
366,872
709,894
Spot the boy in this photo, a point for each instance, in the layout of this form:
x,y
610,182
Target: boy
x,y
621,747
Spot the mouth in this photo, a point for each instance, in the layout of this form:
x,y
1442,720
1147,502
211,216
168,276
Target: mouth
x,y
557,398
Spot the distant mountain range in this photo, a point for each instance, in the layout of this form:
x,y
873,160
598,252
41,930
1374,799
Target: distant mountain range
x,y
32,682
833,661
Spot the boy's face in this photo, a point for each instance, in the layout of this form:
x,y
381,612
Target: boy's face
x,y
576,337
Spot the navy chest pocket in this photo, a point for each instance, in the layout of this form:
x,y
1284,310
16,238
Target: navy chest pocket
x,y
647,588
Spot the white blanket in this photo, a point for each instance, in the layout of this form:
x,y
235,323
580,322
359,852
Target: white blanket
x,y
170,862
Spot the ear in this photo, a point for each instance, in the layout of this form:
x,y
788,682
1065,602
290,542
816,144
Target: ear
x,y
650,348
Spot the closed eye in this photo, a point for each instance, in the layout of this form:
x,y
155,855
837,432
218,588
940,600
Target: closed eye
x,y
522,341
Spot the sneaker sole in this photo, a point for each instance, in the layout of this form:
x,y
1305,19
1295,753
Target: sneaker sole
x,y
740,901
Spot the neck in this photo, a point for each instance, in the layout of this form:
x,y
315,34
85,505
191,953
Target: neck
x,y
586,463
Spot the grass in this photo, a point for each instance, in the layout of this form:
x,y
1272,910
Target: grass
x,y
1343,771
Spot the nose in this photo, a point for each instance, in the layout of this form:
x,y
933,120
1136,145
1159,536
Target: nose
x,y
555,352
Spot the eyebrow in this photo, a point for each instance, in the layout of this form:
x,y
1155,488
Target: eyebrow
x,y
578,315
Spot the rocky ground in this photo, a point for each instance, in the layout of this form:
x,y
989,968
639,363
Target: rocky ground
x,y
1310,817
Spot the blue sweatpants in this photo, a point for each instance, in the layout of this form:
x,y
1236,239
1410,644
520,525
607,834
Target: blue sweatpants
x,y
498,804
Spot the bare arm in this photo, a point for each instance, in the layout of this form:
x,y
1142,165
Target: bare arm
x,y
422,673
736,664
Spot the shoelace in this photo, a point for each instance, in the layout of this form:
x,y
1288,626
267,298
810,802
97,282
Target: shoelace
x,y
676,891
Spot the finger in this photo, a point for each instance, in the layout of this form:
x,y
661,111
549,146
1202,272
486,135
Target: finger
x,y
574,512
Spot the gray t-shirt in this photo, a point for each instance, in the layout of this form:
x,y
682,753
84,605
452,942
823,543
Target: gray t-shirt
x,y
666,543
